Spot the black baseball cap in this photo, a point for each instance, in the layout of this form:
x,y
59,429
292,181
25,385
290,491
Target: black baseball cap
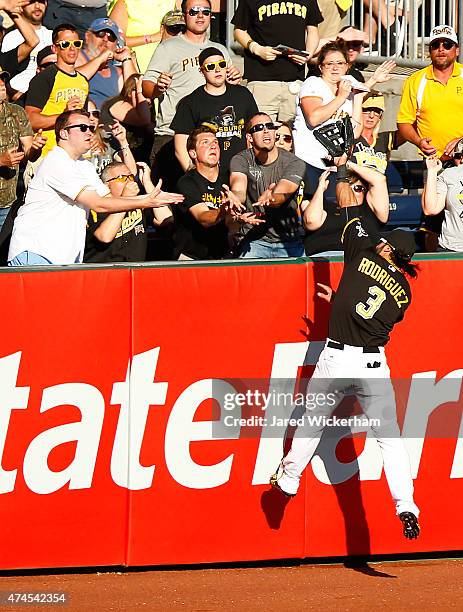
x,y
43,53
402,242
209,52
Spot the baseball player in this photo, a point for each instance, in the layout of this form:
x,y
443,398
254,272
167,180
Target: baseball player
x,y
372,297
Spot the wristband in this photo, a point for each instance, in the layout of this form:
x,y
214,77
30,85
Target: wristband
x,y
341,176
126,59
250,41
253,42
147,38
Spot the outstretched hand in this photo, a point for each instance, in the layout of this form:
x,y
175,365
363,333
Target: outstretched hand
x,y
326,294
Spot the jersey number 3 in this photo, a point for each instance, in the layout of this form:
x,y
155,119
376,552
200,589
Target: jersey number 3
x,y
367,311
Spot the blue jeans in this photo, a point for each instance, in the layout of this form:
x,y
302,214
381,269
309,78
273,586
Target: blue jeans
x,y
3,215
260,249
28,258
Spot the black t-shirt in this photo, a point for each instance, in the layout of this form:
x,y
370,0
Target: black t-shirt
x,y
271,24
377,154
129,244
282,224
9,62
372,295
228,112
328,236
191,238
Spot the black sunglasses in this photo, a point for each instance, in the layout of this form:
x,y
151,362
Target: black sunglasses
x,y
284,137
358,188
102,33
178,28
195,10
457,155
82,126
260,127
447,44
354,44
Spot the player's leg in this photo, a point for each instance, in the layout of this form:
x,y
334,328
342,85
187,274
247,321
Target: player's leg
x,y
377,398
324,392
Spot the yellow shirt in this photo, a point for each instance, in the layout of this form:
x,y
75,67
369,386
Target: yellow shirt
x,y
144,17
435,109
50,91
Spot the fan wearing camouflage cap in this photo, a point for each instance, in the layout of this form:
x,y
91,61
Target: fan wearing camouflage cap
x,y
373,295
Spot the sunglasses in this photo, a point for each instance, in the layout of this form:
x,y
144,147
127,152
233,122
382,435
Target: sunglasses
x,y
457,155
358,188
176,29
211,66
447,44
65,44
102,33
355,44
260,127
122,178
376,111
83,127
195,10
284,137
94,113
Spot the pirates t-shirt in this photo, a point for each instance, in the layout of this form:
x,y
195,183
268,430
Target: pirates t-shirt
x,y
272,24
50,91
191,238
226,113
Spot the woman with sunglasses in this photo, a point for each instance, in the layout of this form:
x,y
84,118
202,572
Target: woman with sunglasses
x,y
284,136
324,220
140,22
133,111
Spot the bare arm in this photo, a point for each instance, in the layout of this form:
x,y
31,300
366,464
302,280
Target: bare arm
x,y
205,216
120,16
312,39
314,214
315,112
433,202
377,196
31,40
266,53
90,199
277,194
39,121
239,185
180,151
408,132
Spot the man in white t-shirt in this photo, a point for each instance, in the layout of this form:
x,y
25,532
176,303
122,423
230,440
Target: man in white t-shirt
x,y
33,13
51,224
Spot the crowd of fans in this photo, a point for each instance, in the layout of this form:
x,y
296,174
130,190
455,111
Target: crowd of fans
x,y
114,128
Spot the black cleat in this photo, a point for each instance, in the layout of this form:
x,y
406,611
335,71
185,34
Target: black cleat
x,y
410,524
274,482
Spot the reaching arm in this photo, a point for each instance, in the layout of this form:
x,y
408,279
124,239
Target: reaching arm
x,y
315,112
90,199
314,214
239,185
31,40
377,196
180,151
277,194
433,203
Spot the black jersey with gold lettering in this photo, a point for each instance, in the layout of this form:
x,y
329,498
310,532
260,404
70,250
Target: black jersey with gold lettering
x,y
372,295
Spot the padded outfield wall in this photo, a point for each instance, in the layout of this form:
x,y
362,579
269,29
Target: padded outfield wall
x,y
109,454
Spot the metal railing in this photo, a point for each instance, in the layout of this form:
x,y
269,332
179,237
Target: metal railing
x,y
396,28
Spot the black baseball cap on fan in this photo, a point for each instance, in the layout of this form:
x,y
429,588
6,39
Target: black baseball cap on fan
x,y
209,52
402,242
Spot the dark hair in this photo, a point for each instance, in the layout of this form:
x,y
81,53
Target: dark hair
x,y
61,28
184,3
353,177
403,262
63,119
247,125
332,47
193,137
128,86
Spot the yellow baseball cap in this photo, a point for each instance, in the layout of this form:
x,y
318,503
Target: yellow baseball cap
x,y
374,100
